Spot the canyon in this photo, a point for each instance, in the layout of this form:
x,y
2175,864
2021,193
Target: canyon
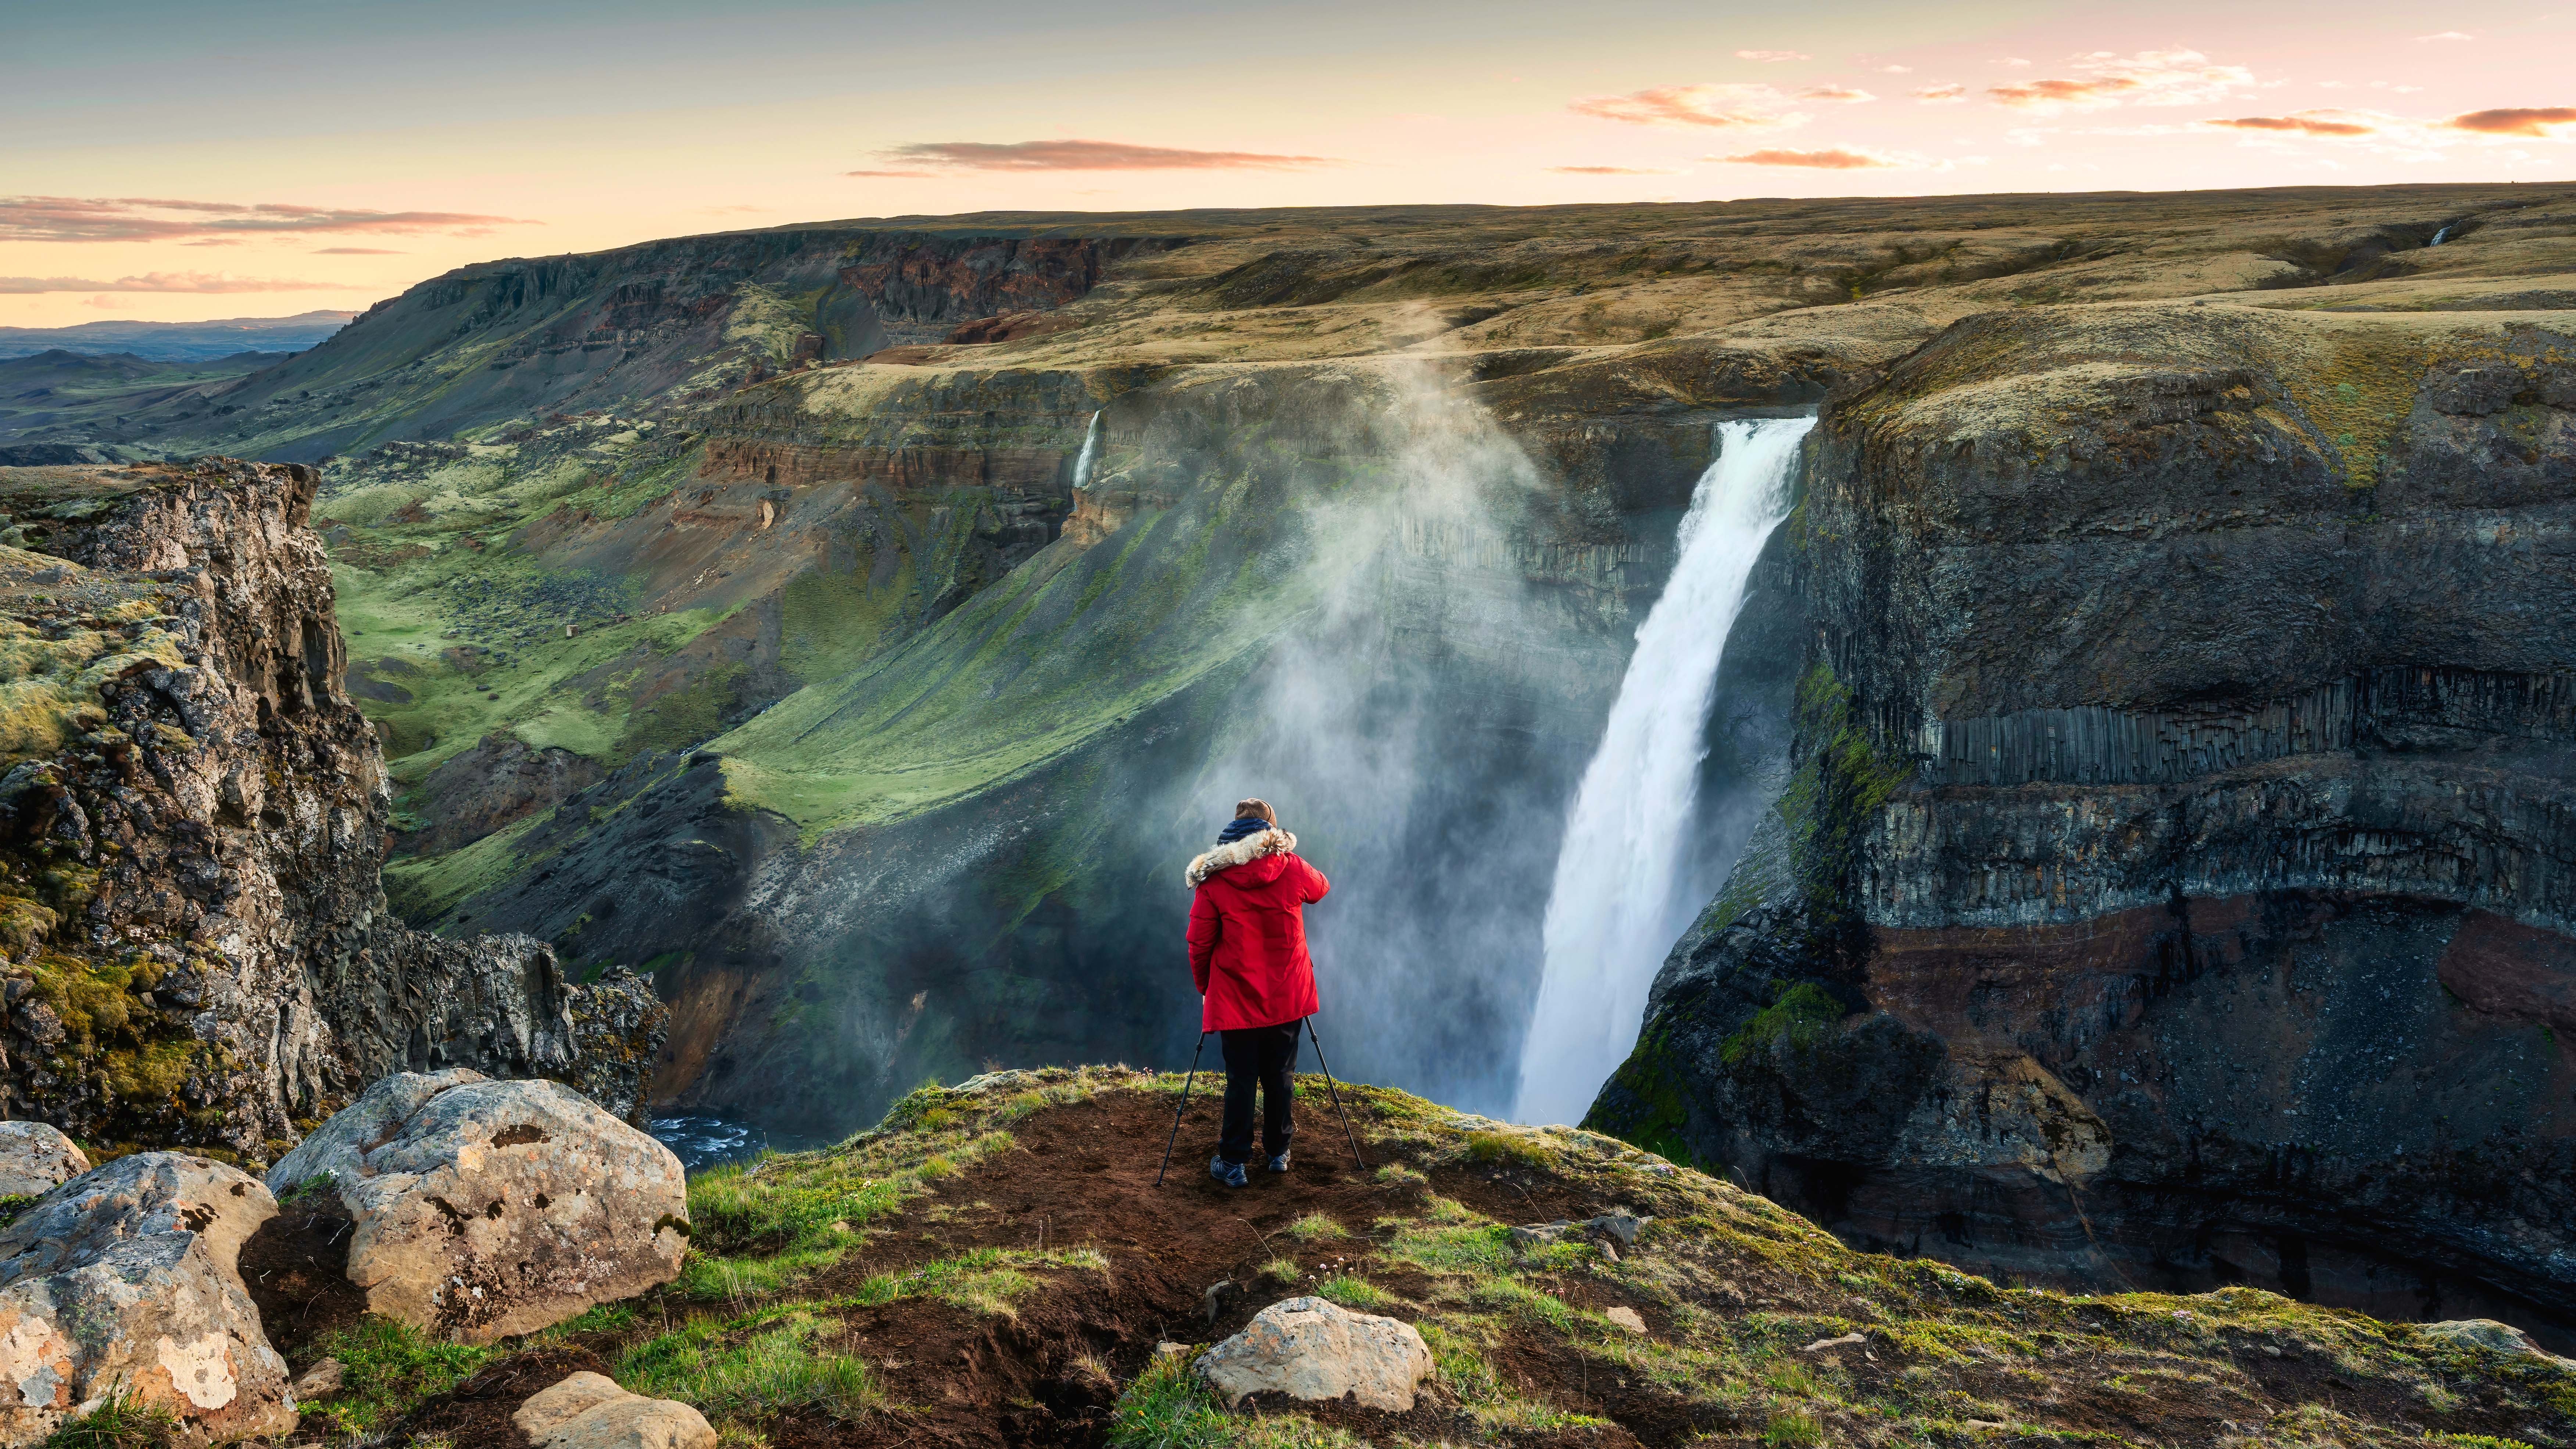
x,y
2127,820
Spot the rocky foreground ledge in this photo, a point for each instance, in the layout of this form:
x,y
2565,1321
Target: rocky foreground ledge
x,y
192,818
994,1265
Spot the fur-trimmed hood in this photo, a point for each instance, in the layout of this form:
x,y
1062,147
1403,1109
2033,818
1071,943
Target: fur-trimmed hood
x,y
1250,848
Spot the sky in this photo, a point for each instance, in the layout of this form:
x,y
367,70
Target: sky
x,y
263,157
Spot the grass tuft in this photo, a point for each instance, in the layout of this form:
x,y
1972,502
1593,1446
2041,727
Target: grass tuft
x,y
747,1368
1316,1228
1354,1292
119,1422
389,1367
1506,1149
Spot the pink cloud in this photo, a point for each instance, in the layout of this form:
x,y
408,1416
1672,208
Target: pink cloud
x,y
1896,70
1085,156
2309,123
162,282
1839,95
1772,57
2149,78
2515,121
1950,94
1614,171
1744,107
130,219
2448,35
1833,159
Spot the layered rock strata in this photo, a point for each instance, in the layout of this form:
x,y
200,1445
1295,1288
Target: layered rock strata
x,y
2174,884
192,817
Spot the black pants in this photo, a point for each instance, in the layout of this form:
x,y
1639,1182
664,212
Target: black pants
x,y
1262,1057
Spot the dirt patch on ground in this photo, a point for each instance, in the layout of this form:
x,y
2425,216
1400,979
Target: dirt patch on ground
x,y
1049,1372
297,1270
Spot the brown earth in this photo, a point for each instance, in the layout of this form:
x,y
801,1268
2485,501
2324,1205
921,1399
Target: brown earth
x,y
297,1270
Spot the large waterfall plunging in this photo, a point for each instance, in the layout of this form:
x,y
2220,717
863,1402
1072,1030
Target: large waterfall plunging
x,y
1612,913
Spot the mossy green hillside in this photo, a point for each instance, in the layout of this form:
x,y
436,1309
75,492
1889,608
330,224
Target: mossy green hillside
x,y
1757,1326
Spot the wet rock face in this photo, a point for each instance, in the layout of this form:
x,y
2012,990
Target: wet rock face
x,y
192,815
128,1277
483,1209
2172,881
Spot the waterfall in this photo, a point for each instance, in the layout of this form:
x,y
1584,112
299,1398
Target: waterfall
x,y
2438,236
1612,914
1090,454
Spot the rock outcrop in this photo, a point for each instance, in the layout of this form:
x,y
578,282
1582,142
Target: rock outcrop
x,y
482,1209
192,819
1318,1351
35,1159
590,1411
128,1277
2172,888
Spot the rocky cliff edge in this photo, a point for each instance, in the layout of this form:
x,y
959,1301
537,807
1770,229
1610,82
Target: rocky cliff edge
x,y
2173,886
192,818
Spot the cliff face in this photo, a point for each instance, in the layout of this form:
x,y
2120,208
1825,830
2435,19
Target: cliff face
x,y
191,823
2174,881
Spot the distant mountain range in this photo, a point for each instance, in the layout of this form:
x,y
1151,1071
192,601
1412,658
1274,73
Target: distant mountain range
x,y
178,341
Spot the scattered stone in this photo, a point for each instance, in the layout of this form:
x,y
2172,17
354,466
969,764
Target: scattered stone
x,y
589,1411
1318,1351
36,1159
322,1378
1169,1349
1627,1318
129,1275
484,1209
1616,1225
1844,1341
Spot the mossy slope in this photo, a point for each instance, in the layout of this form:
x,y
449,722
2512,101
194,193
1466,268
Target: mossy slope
x,y
821,1286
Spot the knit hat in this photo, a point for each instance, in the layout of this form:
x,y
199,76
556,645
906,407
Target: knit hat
x,y
1240,827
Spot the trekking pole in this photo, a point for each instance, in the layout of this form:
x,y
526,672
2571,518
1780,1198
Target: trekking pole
x,y
1185,1106
1330,1086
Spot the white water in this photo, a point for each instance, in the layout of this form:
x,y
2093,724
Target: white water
x,y
2438,237
1612,913
1090,454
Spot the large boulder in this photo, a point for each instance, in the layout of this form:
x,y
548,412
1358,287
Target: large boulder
x,y
35,1158
589,1411
483,1209
128,1276
1312,1349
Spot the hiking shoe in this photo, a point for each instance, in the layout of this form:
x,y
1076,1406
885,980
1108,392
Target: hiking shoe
x,y
1228,1173
1279,1163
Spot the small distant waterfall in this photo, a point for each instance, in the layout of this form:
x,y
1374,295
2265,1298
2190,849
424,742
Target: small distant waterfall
x,y
2440,236
1612,914
1090,454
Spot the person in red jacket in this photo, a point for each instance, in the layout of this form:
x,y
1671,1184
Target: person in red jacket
x,y
1256,985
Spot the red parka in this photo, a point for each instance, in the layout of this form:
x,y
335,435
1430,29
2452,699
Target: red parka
x,y
1248,932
